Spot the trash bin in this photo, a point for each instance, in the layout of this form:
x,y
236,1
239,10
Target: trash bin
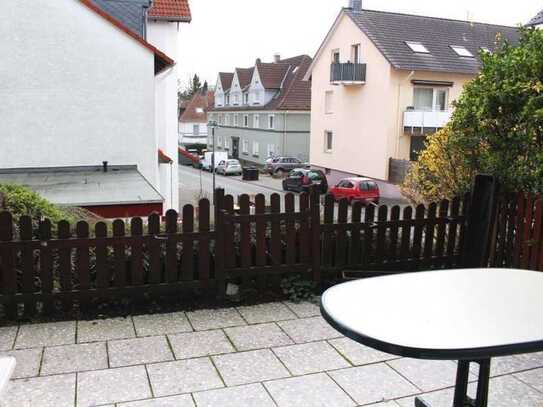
x,y
250,174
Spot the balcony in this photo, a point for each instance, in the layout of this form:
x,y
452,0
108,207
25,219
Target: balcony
x,y
416,119
348,74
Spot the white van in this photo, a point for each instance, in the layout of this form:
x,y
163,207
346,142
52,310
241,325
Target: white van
x,y
219,156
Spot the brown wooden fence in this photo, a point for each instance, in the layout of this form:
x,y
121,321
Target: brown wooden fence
x,y
517,240
254,244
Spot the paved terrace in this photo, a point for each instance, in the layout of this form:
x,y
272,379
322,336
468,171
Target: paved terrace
x,y
278,354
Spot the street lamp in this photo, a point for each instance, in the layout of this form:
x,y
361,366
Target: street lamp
x,y
213,125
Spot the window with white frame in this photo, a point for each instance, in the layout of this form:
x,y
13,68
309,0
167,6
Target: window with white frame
x,y
417,47
256,121
462,51
235,119
328,141
227,120
220,119
328,100
355,54
430,99
335,56
226,143
245,98
245,147
196,129
246,120
271,150
271,122
257,97
227,100
236,99
256,149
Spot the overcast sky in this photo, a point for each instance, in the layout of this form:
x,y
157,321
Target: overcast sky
x,y
228,34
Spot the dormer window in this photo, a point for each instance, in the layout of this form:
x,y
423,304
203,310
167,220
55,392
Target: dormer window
x,y
245,98
199,110
227,100
417,47
462,51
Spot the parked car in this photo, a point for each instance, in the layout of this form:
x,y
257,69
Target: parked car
x,y
301,179
229,167
284,164
208,158
356,189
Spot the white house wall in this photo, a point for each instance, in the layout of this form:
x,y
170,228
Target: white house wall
x,y
75,90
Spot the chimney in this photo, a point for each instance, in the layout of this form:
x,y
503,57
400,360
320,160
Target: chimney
x,y
104,166
277,58
258,61
355,5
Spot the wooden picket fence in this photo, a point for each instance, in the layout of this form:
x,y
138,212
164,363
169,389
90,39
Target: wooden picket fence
x,y
47,267
517,240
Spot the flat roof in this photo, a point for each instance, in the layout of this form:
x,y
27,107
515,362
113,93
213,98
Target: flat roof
x,y
86,186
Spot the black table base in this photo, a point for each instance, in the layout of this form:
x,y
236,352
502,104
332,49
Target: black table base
x,y
461,398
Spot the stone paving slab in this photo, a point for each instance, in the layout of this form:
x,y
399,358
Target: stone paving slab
x,y
127,352
197,344
7,337
28,362
249,367
74,358
215,319
172,323
316,390
184,376
311,357
250,395
309,329
48,391
257,336
184,400
359,354
272,312
50,334
105,329
304,309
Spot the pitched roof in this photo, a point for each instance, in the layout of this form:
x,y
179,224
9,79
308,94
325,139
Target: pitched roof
x,y
226,80
130,13
293,93
162,61
244,76
537,20
390,31
199,101
170,10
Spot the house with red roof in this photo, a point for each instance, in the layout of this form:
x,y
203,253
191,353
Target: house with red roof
x,y
263,111
193,130
92,91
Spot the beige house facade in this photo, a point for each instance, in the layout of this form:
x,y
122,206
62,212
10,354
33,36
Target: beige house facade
x,y
376,95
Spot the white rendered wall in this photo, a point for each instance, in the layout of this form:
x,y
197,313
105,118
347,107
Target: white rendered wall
x,y
75,90
164,36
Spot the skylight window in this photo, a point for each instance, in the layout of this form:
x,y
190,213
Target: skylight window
x,y
417,47
462,51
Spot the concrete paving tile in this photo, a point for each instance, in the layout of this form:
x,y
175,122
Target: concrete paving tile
x,y
508,364
184,376
436,398
184,400
257,336
28,362
161,324
359,354
197,344
316,390
427,375
249,367
311,357
112,386
309,329
532,377
127,352
304,309
74,358
7,337
250,395
271,312
49,391
105,330
203,320
48,334
373,383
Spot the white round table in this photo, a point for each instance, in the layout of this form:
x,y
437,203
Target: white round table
x,y
469,315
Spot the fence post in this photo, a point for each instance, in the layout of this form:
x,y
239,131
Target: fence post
x,y
315,207
481,217
218,225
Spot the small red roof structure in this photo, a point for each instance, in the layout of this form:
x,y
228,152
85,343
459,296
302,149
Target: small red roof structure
x,y
196,110
162,61
170,10
163,158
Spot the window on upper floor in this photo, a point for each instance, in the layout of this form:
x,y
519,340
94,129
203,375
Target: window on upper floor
x,y
355,54
227,100
246,120
196,129
256,149
335,56
226,143
245,147
245,98
257,97
199,110
236,99
328,141
328,101
271,150
417,47
462,51
271,122
235,119
256,121
430,99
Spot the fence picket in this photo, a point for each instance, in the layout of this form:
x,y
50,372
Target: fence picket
x,y
406,233
328,234
526,238
27,266
429,235
260,209
65,263
187,260
204,263
103,271
290,229
382,216
82,269
119,255
230,257
441,229
356,221
46,265
392,252
519,226
136,251
155,249
245,237
368,253
172,263
452,233
9,282
304,238
341,238
537,246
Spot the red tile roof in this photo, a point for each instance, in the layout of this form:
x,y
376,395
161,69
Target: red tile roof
x,y
226,80
271,74
198,101
244,76
170,10
162,61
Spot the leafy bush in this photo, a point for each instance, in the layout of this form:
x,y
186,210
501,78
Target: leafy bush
x,y
298,289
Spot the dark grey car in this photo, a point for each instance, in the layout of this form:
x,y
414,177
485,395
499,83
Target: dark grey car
x,y
284,164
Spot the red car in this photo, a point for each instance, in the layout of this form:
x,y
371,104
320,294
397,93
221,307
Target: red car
x,y
356,189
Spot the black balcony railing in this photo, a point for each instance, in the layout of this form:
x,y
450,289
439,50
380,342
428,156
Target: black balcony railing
x,y
348,72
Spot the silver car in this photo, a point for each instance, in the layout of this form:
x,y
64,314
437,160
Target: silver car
x,y
284,164
229,167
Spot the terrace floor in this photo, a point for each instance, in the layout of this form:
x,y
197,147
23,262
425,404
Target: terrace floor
x,y
279,354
